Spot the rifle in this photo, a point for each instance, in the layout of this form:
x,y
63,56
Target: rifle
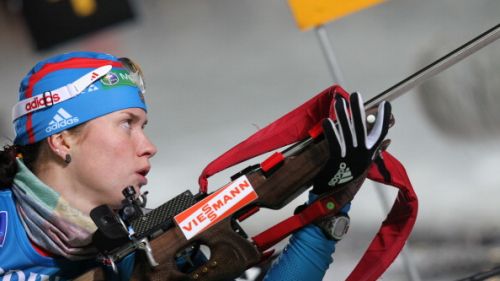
x,y
275,186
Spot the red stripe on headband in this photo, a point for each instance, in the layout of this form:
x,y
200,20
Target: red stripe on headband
x,y
29,128
71,63
54,66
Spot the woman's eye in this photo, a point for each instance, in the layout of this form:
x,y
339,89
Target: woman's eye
x,y
127,124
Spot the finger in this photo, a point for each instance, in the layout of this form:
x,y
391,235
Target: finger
x,y
381,127
334,137
358,118
343,121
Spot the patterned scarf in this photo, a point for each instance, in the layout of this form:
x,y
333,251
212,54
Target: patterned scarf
x,y
49,220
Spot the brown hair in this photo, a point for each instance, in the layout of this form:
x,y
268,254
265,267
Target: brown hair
x,y
8,165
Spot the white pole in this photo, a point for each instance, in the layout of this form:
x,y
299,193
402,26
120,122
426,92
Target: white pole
x,y
327,49
333,66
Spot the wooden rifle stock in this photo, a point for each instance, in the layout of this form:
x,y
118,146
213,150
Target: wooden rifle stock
x,y
232,254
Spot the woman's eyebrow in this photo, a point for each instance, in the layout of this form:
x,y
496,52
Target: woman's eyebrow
x,y
136,118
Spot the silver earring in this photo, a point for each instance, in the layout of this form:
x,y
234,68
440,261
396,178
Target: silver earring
x,y
67,159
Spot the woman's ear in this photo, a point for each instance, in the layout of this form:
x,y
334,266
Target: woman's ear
x,y
60,144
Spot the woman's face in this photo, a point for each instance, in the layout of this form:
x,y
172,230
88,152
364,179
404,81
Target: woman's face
x,y
111,153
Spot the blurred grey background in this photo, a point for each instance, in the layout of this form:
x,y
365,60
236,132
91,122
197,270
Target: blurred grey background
x,y
217,70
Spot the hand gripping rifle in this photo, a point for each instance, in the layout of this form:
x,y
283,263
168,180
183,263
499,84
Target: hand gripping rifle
x,y
180,225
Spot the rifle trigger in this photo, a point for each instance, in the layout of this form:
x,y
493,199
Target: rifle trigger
x,y
145,246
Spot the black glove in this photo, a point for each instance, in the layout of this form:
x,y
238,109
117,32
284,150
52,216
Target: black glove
x,y
351,150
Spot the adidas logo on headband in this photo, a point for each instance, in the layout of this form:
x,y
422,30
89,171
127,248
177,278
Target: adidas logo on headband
x,y
61,120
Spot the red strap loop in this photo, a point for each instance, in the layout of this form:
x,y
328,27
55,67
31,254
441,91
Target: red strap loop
x,y
290,128
297,125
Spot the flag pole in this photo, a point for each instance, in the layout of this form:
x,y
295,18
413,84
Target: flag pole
x,y
331,59
338,78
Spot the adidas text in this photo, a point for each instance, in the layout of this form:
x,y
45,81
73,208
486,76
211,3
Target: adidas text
x,y
40,102
62,124
60,120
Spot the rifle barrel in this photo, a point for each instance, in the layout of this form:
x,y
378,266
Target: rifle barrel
x,y
437,66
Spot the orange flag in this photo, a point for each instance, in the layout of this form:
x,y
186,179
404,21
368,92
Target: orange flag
x,y
311,13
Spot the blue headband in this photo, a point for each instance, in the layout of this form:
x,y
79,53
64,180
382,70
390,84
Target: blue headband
x,y
97,83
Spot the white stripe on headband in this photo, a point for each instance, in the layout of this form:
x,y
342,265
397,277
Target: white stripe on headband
x,y
49,98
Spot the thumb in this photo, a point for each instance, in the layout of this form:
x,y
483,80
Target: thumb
x,y
381,127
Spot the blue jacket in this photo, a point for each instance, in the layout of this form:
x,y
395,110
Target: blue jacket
x,y
20,261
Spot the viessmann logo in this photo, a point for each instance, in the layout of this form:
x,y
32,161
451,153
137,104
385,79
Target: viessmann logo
x,y
60,120
216,207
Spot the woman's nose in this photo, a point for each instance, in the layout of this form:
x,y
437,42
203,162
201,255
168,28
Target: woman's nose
x,y
146,147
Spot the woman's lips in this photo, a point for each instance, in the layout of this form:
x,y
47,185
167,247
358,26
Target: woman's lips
x,y
142,176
